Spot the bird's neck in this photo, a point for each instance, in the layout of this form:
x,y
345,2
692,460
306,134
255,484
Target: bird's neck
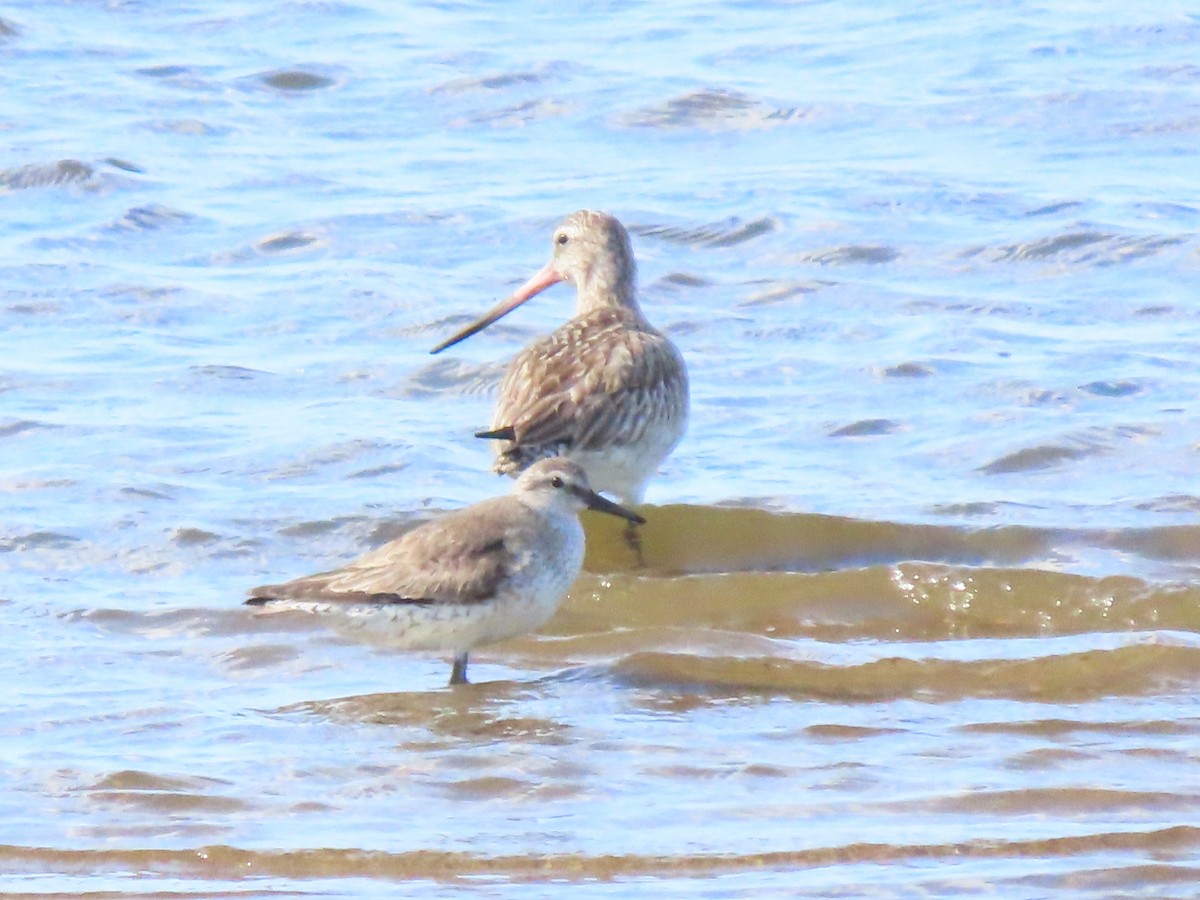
x,y
608,283
598,295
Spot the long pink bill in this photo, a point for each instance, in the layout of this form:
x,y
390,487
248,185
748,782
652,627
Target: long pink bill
x,y
543,279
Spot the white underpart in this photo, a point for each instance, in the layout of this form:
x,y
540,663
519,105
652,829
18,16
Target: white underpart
x,y
624,470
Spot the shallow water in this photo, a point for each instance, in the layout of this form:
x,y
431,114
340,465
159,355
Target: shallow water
x,y
919,611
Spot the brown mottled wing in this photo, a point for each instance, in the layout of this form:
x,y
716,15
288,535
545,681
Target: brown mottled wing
x,y
462,557
596,381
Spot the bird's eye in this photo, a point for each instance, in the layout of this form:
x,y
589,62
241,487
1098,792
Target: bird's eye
x,y
563,239
556,481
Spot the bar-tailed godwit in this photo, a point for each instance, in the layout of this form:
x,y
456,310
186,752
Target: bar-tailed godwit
x,y
605,389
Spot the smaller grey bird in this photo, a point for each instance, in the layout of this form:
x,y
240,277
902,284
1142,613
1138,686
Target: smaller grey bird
x,y
477,575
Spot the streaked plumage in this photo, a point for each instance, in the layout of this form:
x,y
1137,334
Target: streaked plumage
x,y
606,389
474,576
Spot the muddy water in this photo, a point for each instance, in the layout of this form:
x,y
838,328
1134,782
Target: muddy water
x,y
846,707
917,612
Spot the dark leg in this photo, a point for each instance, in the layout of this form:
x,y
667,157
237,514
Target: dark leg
x,y
633,540
458,675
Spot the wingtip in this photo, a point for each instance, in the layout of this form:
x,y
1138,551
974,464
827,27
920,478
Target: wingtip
x,y
507,433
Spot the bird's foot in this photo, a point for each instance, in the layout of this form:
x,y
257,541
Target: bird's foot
x,y
458,674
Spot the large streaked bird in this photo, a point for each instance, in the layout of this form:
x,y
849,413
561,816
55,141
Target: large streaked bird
x,y
605,389
473,576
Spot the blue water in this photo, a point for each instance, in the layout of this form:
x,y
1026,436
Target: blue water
x,y
929,267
